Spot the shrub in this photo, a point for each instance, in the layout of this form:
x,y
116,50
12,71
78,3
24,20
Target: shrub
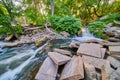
x,y
67,23
97,28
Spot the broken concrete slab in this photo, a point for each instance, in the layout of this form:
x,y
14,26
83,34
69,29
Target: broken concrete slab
x,y
59,59
90,49
114,62
73,70
65,52
47,71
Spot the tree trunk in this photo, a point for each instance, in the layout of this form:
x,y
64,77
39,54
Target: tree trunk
x,y
52,7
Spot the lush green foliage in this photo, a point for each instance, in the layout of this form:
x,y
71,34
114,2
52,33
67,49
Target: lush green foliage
x,y
69,24
97,28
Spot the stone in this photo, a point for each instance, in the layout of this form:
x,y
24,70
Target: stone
x,y
115,75
90,49
112,44
98,63
106,71
9,37
47,71
65,34
59,59
90,72
42,40
74,44
103,51
114,62
114,48
79,33
73,70
113,39
65,52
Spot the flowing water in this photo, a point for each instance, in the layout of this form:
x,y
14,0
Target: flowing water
x,y
16,62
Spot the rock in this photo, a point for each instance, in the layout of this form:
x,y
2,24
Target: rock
x,y
115,75
59,59
114,50
74,44
64,52
114,62
106,71
103,51
9,37
47,71
112,39
98,63
80,33
112,44
90,72
65,34
90,49
73,70
110,31
117,34
38,43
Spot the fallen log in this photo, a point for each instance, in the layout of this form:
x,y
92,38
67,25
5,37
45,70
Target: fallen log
x,y
47,71
73,70
64,52
59,59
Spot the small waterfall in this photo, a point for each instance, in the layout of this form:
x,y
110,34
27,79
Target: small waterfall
x,y
86,35
11,74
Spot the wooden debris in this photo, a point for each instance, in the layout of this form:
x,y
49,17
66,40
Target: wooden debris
x,y
74,44
38,43
47,71
58,58
98,63
90,72
114,62
103,51
90,49
65,52
73,70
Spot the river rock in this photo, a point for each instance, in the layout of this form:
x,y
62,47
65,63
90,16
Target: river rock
x,y
47,71
74,44
59,59
114,62
65,52
115,75
90,72
73,70
90,49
